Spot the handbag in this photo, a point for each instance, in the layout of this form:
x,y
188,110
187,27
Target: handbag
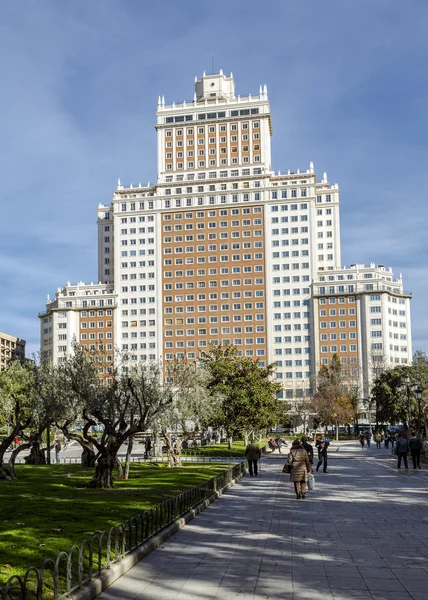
x,y
287,467
311,482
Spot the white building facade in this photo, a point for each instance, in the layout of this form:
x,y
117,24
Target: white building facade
x,y
221,249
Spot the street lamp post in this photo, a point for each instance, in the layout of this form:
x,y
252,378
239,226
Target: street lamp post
x,y
418,393
407,388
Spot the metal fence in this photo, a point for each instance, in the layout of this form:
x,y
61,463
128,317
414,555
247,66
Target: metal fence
x,y
59,577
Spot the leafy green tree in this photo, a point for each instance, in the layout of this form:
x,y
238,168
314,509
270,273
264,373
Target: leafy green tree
x,y
16,410
193,408
132,403
249,395
391,404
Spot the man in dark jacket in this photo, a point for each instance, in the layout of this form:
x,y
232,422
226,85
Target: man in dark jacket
x,y
402,450
415,445
252,454
322,454
309,449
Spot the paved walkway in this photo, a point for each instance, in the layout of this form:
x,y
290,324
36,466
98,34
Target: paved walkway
x,y
363,533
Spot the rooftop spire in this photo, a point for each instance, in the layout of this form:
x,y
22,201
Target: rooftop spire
x,y
324,178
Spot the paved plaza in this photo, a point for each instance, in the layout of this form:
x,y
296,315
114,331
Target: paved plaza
x,y
363,533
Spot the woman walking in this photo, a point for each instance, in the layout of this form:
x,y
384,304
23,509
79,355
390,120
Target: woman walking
x,y
300,467
361,439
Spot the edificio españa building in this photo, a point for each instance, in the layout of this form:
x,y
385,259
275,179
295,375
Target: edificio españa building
x,y
223,250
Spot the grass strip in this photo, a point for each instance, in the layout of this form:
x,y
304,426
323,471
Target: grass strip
x,y
50,508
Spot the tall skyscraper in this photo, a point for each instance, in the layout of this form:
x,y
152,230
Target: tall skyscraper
x,y
222,249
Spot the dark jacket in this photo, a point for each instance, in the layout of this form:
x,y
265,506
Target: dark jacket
x,y
252,451
322,449
308,447
415,443
402,445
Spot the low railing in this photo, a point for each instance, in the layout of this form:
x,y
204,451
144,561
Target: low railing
x,y
59,577
188,456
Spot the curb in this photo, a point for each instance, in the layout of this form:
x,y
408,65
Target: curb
x,y
113,572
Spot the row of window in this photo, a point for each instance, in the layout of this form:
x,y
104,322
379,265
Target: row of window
x,y
342,311
203,332
213,162
211,115
340,300
92,324
210,200
285,207
215,307
224,318
93,336
224,330
342,348
214,175
290,375
294,193
333,324
342,336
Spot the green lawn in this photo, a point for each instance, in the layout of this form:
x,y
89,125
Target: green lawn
x,y
46,511
221,450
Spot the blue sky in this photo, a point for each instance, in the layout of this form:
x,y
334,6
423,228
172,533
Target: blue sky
x,y
348,86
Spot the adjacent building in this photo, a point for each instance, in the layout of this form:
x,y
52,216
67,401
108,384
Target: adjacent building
x,y
81,312
222,249
11,348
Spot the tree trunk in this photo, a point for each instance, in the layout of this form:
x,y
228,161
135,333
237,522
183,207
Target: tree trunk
x,y
4,445
230,442
337,431
173,452
88,458
128,456
36,456
118,465
48,444
245,438
10,467
103,477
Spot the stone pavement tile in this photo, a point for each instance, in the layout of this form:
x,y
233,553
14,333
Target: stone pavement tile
x,y
383,585
346,594
394,595
349,571
344,582
379,573
206,593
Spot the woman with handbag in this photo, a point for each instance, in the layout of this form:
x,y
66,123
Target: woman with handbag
x,y
300,466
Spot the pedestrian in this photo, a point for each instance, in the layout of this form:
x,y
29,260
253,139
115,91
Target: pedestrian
x,y
147,448
386,443
361,439
57,450
378,439
309,449
402,450
300,466
278,443
368,437
253,454
322,455
415,445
